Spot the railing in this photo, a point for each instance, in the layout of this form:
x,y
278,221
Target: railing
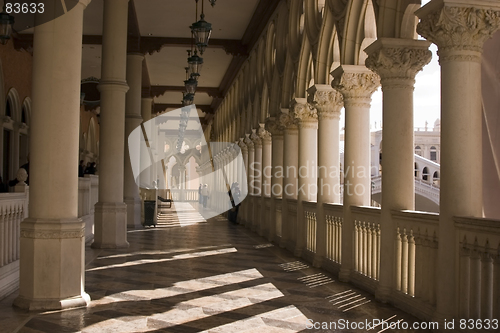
x,y
311,225
416,253
334,217
367,241
266,219
13,209
292,221
277,207
479,268
184,195
88,191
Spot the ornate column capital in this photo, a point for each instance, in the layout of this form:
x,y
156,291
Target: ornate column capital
x,y
257,141
459,29
303,113
249,142
356,84
327,101
264,135
397,60
243,146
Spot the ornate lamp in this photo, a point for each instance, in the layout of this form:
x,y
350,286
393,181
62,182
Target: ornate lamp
x,y
188,99
201,31
195,64
6,23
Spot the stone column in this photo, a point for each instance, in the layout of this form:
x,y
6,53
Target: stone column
x,y
328,103
145,177
357,84
243,179
276,129
111,211
257,191
266,177
133,120
308,161
248,165
459,30
52,238
397,61
290,181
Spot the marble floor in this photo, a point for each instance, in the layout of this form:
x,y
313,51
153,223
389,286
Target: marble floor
x,y
192,275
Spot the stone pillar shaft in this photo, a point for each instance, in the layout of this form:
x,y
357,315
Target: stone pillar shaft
x,y
52,238
397,61
291,167
328,103
111,211
357,84
459,31
133,119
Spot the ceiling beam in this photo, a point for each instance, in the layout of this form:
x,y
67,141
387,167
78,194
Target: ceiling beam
x,y
157,91
158,108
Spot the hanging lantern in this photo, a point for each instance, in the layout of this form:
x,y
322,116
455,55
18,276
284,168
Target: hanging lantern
x,y
191,84
188,99
195,64
201,31
212,2
6,23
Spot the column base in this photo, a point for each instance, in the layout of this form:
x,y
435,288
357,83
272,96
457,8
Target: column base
x,y
52,265
383,294
318,261
52,304
297,251
110,226
133,212
344,275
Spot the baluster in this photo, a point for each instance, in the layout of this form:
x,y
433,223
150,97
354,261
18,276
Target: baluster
x,y
464,296
328,235
369,250
432,269
411,264
374,252
15,219
404,262
475,284
377,264
486,286
18,231
356,246
315,230
398,260
10,226
365,250
496,286
3,242
339,250
419,258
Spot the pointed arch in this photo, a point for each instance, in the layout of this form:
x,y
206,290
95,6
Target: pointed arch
x,y
288,86
325,53
281,37
303,69
274,95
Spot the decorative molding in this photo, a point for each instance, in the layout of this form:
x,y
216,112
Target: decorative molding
x,y
264,135
454,28
52,234
257,141
248,142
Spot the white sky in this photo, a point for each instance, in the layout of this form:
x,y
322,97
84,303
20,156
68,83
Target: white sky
x,y
426,98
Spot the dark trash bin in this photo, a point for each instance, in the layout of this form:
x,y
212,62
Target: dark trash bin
x,y
149,213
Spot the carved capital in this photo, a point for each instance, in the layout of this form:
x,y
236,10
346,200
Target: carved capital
x,y
243,146
302,111
263,134
356,83
249,142
327,101
274,126
459,30
397,61
257,141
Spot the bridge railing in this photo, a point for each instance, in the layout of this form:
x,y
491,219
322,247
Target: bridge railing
x,y
334,215
311,225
